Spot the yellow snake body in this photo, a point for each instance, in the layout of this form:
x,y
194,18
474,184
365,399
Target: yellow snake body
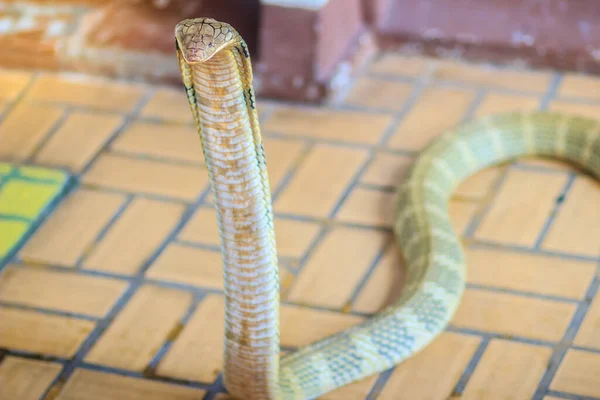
x,y
217,75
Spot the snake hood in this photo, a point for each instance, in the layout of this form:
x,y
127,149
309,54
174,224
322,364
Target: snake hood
x,y
201,38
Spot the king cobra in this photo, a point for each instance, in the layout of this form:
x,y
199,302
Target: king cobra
x,y
217,74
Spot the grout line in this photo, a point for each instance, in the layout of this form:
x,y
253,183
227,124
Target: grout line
x,y
380,383
552,91
558,204
570,396
46,311
460,386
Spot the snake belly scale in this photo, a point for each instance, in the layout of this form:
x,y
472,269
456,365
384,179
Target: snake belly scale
x,y
217,74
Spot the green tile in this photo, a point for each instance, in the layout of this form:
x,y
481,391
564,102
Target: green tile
x,y
26,194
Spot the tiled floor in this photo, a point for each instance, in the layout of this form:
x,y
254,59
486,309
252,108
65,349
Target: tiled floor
x,y
118,293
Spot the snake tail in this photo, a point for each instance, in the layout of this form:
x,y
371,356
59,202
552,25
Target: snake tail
x,y
217,74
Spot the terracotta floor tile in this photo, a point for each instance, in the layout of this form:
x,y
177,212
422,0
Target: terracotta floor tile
x,y
355,127
38,287
169,105
355,390
295,319
478,185
484,76
172,142
461,214
587,335
513,315
508,370
396,64
98,94
13,83
25,379
420,125
134,238
282,155
579,85
582,109
198,357
343,257
521,207
497,103
433,372
190,265
293,237
368,207
94,385
138,331
35,332
23,129
72,228
78,139
148,177
532,273
387,169
320,181
576,228
384,285
578,374
379,93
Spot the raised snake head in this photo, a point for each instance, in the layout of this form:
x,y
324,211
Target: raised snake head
x,y
201,38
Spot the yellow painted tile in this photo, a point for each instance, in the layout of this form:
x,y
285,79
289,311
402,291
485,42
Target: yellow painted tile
x,y
296,319
461,214
581,109
496,103
384,285
478,185
368,207
78,139
169,105
42,173
68,292
379,93
318,123
578,374
202,227
521,207
355,390
185,264
150,177
420,125
24,127
281,155
41,333
140,329
343,257
508,370
99,94
433,372
587,335
175,142
576,228
12,232
387,169
72,228
94,385
320,181
13,83
534,273
198,357
579,85
483,75
135,236
23,199
23,379
396,64
513,315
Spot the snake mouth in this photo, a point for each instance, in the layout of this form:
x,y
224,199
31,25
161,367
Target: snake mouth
x,y
199,39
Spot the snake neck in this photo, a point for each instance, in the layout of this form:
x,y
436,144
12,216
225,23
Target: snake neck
x,y
233,152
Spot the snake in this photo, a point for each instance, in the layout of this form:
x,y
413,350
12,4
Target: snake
x,y
216,71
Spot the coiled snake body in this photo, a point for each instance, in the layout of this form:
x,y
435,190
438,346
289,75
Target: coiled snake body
x,y
216,71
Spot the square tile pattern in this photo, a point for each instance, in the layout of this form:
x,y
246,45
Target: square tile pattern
x,y
118,292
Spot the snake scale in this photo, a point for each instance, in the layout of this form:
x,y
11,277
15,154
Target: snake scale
x,y
217,74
